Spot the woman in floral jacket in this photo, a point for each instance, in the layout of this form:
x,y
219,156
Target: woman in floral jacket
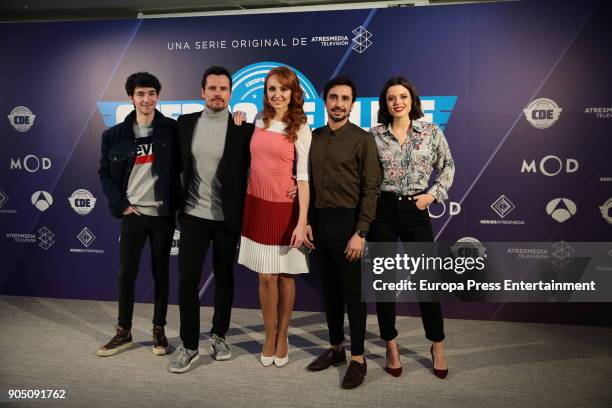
x,y
409,151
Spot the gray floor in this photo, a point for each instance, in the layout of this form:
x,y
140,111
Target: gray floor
x,y
51,344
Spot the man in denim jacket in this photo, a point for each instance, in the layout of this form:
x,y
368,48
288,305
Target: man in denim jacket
x,y
140,176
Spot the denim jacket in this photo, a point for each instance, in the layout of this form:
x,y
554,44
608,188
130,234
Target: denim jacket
x,y
118,157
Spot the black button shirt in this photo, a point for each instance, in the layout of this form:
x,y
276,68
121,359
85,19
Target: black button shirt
x,y
345,171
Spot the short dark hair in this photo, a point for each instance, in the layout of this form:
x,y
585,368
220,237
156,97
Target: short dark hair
x,y
216,70
142,80
342,80
384,117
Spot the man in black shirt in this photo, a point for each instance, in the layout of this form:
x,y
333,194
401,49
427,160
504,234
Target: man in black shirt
x,y
345,182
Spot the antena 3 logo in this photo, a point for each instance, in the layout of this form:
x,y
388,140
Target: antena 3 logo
x,y
247,96
21,119
542,113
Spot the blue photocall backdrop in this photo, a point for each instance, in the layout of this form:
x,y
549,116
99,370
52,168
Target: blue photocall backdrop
x,y
521,89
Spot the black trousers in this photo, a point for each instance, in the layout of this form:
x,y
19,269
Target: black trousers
x,y
401,219
196,236
134,232
340,279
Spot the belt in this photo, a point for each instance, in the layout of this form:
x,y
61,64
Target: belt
x,y
399,197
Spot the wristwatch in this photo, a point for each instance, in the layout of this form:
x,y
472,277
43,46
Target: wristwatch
x,y
362,234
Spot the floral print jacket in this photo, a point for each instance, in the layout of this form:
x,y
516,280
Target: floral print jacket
x,y
407,168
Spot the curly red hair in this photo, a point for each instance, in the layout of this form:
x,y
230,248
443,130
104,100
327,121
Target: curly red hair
x,y
295,116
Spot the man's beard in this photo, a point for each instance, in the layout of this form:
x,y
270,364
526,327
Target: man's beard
x,y
338,119
215,108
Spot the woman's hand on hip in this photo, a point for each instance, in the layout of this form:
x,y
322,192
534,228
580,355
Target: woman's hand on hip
x,y
422,201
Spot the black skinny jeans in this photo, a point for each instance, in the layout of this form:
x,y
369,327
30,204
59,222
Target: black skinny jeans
x,y
196,236
134,232
340,279
401,219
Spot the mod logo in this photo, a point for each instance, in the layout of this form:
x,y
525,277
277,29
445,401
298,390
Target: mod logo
x,y
550,166
31,163
437,210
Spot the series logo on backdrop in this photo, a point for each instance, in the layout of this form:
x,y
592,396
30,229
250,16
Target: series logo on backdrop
x,y
30,163
21,119
247,96
550,166
502,206
248,88
86,237
542,113
3,199
82,201
42,200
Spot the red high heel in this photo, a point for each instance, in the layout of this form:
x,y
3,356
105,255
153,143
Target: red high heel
x,y
396,372
438,373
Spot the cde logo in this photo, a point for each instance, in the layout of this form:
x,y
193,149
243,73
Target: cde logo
x,y
550,166
42,200
82,201
21,119
561,209
542,113
606,211
469,247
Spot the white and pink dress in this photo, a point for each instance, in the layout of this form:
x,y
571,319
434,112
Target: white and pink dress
x,y
270,216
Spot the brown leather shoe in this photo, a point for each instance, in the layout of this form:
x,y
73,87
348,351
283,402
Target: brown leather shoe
x,y
355,374
160,342
330,357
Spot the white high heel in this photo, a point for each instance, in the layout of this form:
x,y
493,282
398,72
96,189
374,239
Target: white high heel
x,y
266,361
281,361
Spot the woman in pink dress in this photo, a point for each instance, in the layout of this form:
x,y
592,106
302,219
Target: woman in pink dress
x,y
274,226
